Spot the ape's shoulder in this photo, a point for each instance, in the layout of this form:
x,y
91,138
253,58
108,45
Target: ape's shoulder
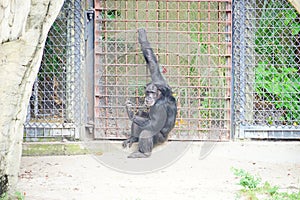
x,y
172,99
160,103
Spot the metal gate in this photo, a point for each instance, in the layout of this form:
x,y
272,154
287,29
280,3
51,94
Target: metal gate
x,y
266,62
54,109
192,40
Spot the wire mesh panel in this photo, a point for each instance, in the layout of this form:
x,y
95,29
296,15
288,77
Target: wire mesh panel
x,y
192,40
54,101
267,60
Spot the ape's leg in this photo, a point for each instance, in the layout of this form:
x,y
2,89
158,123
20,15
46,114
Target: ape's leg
x,y
159,138
145,145
134,137
135,129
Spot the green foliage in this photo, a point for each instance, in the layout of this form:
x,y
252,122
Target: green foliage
x,y
276,74
280,86
16,196
53,61
254,189
247,180
202,49
111,14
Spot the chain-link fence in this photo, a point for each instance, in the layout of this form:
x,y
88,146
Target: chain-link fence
x,y
267,73
54,108
192,40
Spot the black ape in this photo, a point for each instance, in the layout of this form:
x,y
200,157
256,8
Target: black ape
x,y
152,127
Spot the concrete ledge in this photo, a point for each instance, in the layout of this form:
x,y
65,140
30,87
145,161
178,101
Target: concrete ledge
x,y
53,148
268,151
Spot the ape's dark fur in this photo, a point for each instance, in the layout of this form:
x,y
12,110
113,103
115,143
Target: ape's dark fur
x,y
153,127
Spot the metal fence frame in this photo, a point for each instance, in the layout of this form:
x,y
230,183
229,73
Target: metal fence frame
x,y
176,29
250,120
55,107
242,98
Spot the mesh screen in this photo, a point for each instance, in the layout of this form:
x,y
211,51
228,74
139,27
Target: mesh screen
x,y
192,40
267,60
54,101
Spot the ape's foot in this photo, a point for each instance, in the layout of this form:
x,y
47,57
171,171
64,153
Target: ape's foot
x,y
129,142
139,154
125,143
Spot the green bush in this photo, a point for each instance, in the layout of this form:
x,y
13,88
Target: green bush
x,y
277,77
253,188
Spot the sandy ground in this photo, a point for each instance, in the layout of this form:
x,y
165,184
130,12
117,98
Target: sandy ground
x,y
200,171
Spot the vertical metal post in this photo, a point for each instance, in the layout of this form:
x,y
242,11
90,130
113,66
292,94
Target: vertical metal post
x,y
36,98
77,65
89,68
69,68
229,93
242,62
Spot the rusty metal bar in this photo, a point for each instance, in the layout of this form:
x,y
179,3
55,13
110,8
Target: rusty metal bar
x,y
168,21
188,38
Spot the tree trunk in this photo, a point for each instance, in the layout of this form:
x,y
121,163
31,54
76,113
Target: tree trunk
x,y
24,26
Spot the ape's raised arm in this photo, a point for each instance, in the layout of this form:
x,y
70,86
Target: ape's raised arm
x,y
150,58
152,127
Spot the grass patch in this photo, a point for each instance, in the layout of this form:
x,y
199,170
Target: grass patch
x,y
255,189
16,196
53,148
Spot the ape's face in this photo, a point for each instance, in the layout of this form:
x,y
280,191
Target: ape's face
x,y
152,94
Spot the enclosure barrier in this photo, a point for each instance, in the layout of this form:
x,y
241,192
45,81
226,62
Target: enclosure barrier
x,y
192,40
55,105
267,74
243,84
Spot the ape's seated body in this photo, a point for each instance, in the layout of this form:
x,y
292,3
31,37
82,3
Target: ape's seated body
x,y
153,127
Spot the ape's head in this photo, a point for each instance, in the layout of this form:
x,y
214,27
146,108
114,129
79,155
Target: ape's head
x,y
152,94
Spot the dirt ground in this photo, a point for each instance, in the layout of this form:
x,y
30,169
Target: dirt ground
x,y
198,171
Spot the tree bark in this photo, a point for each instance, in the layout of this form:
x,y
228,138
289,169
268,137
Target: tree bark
x,y
24,26
296,4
